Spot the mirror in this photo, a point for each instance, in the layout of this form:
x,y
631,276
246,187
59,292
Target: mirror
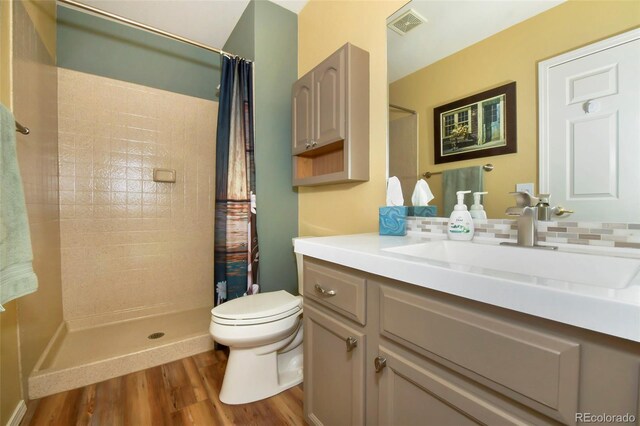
x,y
465,48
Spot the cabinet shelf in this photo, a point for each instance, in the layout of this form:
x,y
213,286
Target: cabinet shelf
x,y
323,161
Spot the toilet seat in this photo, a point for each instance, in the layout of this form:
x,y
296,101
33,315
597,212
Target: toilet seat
x,y
257,309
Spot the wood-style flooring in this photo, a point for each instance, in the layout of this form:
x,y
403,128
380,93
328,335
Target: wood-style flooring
x,y
183,392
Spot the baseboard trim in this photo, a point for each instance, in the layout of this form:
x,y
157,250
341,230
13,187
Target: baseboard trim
x,y
18,414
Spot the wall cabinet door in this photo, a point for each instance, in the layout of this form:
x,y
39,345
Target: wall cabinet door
x,y
410,393
329,91
303,116
334,385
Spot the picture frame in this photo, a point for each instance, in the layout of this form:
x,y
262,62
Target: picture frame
x,y
480,125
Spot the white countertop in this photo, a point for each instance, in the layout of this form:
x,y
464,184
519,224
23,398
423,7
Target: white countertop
x,y
611,311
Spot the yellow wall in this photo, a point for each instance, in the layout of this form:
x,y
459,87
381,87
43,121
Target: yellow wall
x,y
43,16
10,391
511,55
38,314
324,26
5,53
36,106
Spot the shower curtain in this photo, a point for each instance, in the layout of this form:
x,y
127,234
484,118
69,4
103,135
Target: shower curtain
x,y
236,237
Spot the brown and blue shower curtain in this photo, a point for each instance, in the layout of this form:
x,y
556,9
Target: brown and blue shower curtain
x,y
236,237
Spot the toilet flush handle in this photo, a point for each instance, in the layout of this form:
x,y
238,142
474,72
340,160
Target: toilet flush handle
x,y
324,291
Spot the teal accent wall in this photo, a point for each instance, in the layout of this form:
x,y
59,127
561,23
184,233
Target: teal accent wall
x,y
241,42
93,45
274,37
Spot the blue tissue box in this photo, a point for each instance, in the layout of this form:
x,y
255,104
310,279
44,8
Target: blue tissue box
x,y
393,220
423,211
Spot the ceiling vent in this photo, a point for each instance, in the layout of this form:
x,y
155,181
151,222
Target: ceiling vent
x,y
406,22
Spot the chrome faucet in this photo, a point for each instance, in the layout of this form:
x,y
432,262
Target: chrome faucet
x,y
527,221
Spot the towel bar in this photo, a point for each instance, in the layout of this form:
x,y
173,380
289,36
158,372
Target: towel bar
x,y
20,128
487,168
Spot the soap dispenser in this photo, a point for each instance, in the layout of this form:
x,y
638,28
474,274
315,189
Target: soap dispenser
x,y
477,210
460,225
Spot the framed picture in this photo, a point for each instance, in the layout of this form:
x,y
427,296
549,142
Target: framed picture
x,y
477,126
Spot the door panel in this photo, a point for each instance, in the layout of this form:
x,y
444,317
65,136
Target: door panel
x,y
412,394
594,134
302,115
333,376
593,154
330,99
593,84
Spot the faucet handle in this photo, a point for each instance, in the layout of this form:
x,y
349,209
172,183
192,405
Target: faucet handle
x,y
524,199
561,211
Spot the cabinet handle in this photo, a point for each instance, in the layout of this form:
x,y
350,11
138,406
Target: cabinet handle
x,y
324,292
352,343
380,363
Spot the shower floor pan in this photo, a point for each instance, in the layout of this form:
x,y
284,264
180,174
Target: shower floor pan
x,y
81,357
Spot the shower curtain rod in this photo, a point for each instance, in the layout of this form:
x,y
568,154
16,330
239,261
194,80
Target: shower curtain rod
x,y
402,108
146,27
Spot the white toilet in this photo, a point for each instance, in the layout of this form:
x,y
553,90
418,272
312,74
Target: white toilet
x,y
264,336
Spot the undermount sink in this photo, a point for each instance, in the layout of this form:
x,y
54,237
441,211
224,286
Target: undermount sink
x,y
595,270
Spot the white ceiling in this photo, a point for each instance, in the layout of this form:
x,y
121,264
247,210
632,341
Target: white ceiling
x,y
206,21
453,25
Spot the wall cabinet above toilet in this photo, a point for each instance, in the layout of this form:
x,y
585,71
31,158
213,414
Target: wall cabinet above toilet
x,y
330,120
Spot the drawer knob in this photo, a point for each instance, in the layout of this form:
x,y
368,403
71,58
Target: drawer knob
x,y
352,343
324,291
313,143
307,145
380,362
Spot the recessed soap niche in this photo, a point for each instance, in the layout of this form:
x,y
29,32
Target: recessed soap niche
x,y
164,175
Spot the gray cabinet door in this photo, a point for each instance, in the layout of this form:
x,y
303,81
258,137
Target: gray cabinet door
x,y
302,114
330,99
334,384
410,393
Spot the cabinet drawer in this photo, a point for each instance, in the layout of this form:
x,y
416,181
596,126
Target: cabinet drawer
x,y
531,367
337,288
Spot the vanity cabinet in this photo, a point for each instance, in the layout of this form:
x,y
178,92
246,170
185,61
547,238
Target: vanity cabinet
x,y
431,358
334,345
330,120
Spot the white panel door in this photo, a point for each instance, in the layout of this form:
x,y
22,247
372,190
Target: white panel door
x,y
593,134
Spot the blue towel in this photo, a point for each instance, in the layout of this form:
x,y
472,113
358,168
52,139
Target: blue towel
x,y
16,270
468,178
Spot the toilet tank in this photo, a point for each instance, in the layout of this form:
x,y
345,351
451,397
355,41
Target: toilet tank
x,y
300,273
300,267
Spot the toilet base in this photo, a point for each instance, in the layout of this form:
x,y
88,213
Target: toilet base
x,y
252,375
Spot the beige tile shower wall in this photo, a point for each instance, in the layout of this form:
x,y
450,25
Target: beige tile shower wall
x,y
130,246
35,106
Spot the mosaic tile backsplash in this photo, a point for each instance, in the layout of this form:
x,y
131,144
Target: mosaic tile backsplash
x,y
624,235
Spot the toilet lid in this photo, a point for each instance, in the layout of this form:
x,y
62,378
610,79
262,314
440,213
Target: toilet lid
x,y
258,306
